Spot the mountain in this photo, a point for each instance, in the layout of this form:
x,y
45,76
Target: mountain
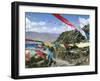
x,y
73,36
73,54
45,37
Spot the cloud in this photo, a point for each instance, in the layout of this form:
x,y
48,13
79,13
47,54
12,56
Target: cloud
x,y
28,23
42,23
31,23
33,26
42,27
83,22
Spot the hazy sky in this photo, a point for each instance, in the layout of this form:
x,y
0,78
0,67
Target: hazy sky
x,y
47,23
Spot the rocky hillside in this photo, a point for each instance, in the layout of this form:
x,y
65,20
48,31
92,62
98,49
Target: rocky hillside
x,y
72,36
73,54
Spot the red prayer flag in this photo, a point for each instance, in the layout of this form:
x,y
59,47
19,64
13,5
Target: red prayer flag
x,y
66,21
40,53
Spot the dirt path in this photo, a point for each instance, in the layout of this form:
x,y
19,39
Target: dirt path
x,y
60,62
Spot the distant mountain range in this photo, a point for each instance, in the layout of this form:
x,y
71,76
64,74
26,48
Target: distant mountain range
x,y
45,37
